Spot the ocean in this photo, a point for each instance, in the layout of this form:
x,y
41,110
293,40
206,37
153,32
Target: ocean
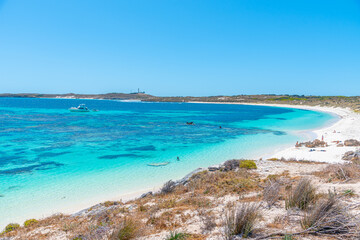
x,y
53,160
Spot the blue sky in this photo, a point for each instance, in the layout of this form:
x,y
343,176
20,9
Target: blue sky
x,y
181,47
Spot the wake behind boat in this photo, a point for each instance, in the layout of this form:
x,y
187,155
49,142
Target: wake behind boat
x,y
80,108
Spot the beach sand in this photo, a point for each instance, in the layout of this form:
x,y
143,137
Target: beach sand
x,y
348,127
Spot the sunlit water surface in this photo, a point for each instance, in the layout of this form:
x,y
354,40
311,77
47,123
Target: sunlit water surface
x,y
52,160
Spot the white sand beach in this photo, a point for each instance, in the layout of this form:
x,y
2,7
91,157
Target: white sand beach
x,y
348,127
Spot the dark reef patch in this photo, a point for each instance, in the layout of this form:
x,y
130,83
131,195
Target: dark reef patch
x,y
143,148
29,169
130,155
279,133
13,188
51,154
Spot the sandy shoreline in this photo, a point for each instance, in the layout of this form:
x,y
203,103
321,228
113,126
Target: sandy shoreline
x,y
347,127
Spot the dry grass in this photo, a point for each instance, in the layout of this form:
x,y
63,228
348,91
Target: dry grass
x,y
222,183
302,195
330,217
207,219
168,187
339,172
241,220
271,192
127,229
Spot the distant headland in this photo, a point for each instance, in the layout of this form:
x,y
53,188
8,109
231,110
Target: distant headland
x,y
352,102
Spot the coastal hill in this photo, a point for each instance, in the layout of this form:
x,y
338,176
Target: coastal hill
x,y
109,96
352,102
330,101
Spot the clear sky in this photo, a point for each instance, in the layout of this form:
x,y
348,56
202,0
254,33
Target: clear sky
x,y
180,47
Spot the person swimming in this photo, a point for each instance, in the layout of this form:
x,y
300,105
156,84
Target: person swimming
x,y
177,158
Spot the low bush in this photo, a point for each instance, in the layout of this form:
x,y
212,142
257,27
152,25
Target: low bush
x,y
231,165
11,227
241,220
30,222
302,196
248,164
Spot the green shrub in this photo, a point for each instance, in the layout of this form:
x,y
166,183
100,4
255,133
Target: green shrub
x,y
177,236
288,237
11,227
248,164
30,222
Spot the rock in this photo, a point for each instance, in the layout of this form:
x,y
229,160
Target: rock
x,y
185,179
351,143
144,195
348,155
213,169
313,144
132,207
351,156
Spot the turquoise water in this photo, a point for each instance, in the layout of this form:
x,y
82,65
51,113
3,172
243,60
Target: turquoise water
x,y
52,160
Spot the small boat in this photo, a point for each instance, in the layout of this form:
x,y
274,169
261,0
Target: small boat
x,y
80,108
158,164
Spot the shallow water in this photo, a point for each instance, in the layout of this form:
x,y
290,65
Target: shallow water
x,y
52,160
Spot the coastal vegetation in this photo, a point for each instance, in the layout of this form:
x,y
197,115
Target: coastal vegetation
x,y
30,222
241,220
352,102
302,196
10,227
248,164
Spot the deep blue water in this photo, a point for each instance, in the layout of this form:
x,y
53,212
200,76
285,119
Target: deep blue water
x,y
56,160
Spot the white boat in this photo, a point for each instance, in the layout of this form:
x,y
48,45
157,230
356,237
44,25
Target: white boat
x,y
80,108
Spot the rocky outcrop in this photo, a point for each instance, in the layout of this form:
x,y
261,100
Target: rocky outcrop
x,y
352,156
352,143
312,144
